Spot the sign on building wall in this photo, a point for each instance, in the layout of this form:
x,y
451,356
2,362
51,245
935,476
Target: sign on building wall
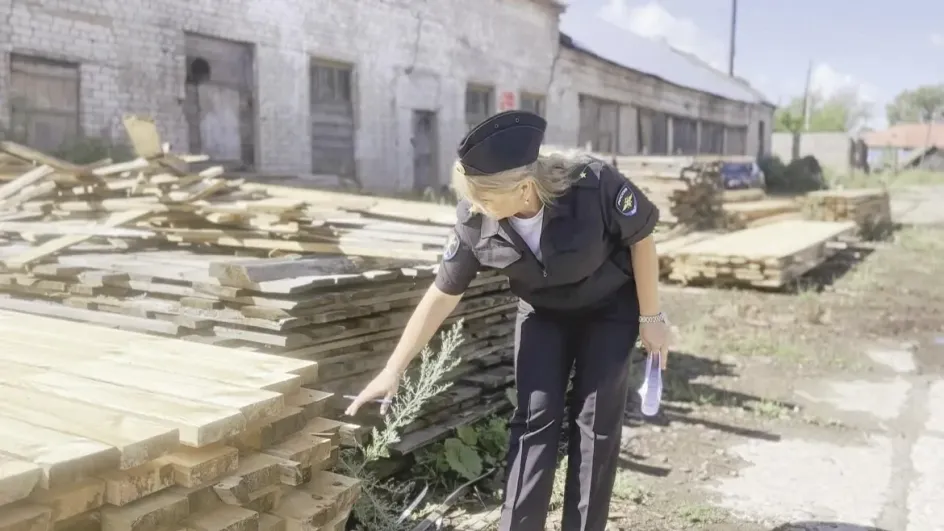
x,y
507,101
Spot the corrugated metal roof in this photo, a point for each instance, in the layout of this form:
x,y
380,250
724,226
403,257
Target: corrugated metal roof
x,y
592,34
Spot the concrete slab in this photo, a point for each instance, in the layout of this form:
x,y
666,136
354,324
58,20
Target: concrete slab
x,y
926,495
918,205
883,400
935,422
796,480
900,361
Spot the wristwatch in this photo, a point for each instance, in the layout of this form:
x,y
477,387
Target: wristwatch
x,y
657,318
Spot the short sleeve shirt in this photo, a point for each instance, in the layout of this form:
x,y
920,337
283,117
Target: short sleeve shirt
x,y
585,243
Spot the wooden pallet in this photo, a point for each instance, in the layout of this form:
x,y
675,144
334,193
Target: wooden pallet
x,y
111,430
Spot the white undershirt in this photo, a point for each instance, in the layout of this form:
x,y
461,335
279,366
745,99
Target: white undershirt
x,y
530,231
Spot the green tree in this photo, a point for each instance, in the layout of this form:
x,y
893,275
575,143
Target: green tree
x,y
920,105
842,111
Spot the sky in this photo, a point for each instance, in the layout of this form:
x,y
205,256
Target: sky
x,y
876,47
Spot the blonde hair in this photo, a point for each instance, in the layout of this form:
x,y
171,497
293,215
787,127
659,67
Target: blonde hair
x,y
553,173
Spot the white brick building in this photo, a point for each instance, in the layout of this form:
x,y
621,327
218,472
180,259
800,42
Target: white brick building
x,y
380,89
623,94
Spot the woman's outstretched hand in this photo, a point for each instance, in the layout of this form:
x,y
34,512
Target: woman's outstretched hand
x,y
383,385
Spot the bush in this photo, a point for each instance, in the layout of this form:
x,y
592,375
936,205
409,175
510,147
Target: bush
x,y
800,176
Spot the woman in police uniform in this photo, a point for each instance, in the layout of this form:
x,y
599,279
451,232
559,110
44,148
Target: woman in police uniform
x,y
574,238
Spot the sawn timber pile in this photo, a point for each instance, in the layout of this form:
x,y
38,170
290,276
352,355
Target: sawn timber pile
x,y
869,208
149,246
105,430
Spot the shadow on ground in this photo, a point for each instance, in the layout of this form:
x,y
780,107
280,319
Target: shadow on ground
x,y
835,268
681,395
824,526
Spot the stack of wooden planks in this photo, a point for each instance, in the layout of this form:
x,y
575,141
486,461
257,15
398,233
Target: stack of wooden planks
x,y
149,246
769,256
747,214
699,205
870,208
108,430
317,308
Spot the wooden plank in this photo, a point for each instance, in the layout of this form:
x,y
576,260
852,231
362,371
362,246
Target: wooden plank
x,y
138,440
109,319
142,131
62,334
27,517
63,458
233,239
29,178
770,241
199,423
18,478
53,246
252,403
248,273
32,155
72,500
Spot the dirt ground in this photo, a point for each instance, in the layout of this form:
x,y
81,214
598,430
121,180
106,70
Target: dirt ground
x,y
735,376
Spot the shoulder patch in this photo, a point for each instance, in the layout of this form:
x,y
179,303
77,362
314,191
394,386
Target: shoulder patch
x,y
452,246
626,201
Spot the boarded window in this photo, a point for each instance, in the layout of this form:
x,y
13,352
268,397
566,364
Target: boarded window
x,y
44,102
332,118
599,125
684,136
712,138
479,104
735,141
220,100
532,103
653,132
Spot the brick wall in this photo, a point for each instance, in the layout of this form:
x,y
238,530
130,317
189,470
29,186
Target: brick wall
x,y
408,54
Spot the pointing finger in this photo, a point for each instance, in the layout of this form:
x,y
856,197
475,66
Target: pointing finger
x,y
355,405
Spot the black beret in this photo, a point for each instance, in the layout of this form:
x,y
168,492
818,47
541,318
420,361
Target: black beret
x,y
507,140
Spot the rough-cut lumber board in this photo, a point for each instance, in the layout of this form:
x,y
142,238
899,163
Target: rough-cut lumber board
x,y
770,241
26,517
249,273
58,244
767,256
72,500
197,466
199,423
122,487
17,479
43,330
138,440
142,131
64,458
29,178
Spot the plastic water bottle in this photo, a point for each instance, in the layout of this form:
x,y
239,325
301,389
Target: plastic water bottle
x,y
650,391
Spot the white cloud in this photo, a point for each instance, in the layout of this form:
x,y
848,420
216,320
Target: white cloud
x,y
653,21
827,81
937,40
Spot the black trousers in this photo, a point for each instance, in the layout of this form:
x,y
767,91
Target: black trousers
x,y
597,344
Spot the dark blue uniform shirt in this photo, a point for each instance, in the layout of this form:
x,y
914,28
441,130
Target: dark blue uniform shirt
x,y
585,243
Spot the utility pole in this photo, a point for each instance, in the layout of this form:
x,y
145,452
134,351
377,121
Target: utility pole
x,y
807,97
734,18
